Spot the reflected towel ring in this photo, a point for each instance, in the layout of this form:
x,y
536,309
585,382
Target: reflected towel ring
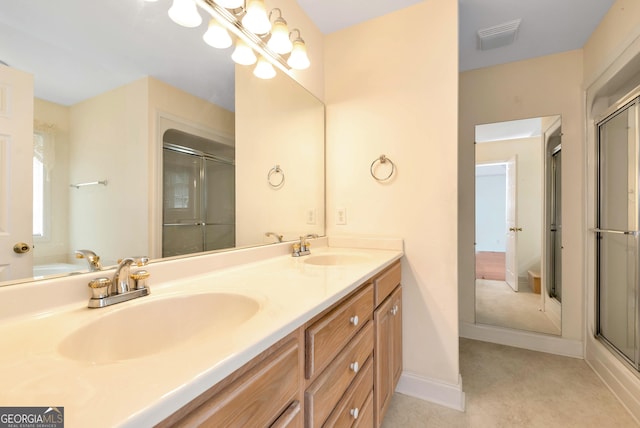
x,y
272,177
382,159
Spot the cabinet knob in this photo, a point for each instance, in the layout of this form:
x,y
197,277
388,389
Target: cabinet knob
x,y
354,320
394,310
354,367
354,413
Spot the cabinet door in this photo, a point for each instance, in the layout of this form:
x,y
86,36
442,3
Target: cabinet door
x,y
388,352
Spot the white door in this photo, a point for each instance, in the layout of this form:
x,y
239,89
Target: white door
x,y
511,256
16,174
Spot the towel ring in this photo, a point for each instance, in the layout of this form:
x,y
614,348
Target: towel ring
x,y
382,159
273,175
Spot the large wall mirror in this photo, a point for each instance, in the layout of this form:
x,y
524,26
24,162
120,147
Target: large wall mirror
x,y
519,225
129,110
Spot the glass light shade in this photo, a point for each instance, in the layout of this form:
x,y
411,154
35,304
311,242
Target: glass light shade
x,y
243,54
256,19
264,69
279,41
185,13
217,36
230,4
298,59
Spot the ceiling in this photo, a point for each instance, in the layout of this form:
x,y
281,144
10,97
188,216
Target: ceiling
x,y
124,40
548,26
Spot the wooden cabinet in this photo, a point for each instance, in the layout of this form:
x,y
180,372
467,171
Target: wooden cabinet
x,y
263,393
338,370
388,348
328,335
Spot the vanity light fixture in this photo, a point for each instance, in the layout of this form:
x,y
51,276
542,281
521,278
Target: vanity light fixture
x,y
279,41
251,26
298,59
185,13
264,69
243,54
217,36
256,19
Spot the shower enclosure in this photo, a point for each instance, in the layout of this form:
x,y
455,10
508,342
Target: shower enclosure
x,y
198,195
617,230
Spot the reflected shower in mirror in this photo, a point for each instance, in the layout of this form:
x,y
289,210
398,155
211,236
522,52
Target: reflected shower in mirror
x,y
518,224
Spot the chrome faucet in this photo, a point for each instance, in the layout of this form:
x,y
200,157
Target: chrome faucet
x,y
121,278
92,258
123,286
275,235
302,248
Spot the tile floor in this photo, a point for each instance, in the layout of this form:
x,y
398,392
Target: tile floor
x,y
509,387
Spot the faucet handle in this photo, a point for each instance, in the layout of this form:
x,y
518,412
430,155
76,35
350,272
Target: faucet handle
x,y
99,287
139,278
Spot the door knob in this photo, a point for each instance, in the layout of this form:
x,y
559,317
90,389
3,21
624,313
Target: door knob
x,y
515,229
21,248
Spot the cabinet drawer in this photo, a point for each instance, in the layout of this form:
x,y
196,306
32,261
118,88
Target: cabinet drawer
x,y
327,336
290,418
352,405
386,282
257,398
323,395
365,419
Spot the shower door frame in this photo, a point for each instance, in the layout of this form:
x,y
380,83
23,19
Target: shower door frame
x,y
633,98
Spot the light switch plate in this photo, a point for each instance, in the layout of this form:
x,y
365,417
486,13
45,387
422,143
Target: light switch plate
x,y
341,216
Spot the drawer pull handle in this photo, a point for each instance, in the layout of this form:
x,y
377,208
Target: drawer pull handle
x,y
354,320
354,367
354,413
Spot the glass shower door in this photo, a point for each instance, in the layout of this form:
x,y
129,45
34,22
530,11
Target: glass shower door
x,y
182,204
617,232
220,213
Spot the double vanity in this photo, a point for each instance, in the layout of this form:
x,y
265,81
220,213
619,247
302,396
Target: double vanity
x,y
252,337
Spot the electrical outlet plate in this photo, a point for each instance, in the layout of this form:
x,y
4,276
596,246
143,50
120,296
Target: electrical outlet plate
x,y
311,216
341,216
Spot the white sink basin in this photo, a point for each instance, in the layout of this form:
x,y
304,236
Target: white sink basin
x,y
336,259
157,325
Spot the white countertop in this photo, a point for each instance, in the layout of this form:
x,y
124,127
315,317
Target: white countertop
x,y
143,391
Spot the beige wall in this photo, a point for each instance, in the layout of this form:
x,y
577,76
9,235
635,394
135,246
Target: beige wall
x,y
617,30
278,123
54,120
108,141
538,87
398,96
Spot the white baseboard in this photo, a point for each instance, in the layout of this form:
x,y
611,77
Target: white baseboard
x,y
523,339
445,394
618,377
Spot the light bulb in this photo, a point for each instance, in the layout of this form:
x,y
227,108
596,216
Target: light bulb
x,y
298,59
243,54
279,41
230,4
185,13
217,36
256,19
264,69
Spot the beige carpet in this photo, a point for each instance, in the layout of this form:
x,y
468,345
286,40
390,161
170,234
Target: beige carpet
x,y
509,387
497,304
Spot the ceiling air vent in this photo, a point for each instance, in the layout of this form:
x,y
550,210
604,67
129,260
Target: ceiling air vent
x,y
498,35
